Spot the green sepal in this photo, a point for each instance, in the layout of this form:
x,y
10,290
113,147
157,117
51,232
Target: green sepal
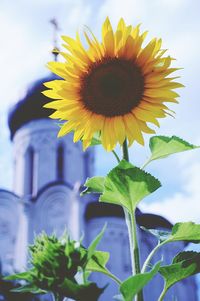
x,y
184,264
94,185
21,276
163,146
134,284
126,185
95,140
28,288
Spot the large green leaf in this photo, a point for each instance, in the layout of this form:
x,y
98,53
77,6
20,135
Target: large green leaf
x,y
183,265
94,185
163,146
97,263
134,284
127,185
187,231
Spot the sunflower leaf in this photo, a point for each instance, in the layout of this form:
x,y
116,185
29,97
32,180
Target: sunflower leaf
x,y
126,185
94,185
95,242
98,262
163,146
134,284
187,231
184,264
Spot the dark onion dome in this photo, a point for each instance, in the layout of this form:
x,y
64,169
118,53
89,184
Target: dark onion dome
x,y
147,220
31,106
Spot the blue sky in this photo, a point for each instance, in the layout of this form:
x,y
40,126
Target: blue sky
x,y
26,41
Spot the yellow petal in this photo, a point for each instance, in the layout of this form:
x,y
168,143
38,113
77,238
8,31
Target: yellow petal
x,y
56,104
119,128
146,53
160,93
109,44
51,94
144,127
66,128
145,116
133,128
106,135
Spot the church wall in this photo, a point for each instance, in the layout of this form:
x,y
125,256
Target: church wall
x,y
10,213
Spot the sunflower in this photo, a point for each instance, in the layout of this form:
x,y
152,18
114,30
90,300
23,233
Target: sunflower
x,y
114,87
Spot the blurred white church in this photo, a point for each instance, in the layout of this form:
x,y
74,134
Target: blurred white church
x,y
48,174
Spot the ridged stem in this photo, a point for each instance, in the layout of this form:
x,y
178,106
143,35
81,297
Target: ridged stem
x,y
132,232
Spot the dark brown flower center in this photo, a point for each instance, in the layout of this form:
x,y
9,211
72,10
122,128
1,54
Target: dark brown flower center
x,y
112,87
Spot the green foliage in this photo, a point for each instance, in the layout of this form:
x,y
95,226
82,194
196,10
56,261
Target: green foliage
x,y
94,243
55,264
134,284
127,185
95,140
97,263
29,288
183,265
94,185
163,146
187,231
80,292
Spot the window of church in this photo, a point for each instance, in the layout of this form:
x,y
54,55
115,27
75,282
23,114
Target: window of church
x,y
60,163
29,171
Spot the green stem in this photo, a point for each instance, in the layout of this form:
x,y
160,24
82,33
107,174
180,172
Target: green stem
x,y
148,260
116,156
84,277
132,231
162,295
117,280
145,164
57,297
125,151
135,244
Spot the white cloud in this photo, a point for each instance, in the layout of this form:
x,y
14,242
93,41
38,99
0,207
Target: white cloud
x,y
183,205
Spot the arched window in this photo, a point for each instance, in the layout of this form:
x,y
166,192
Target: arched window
x,y
29,171
60,163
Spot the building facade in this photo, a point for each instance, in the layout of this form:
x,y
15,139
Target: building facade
x,y
48,174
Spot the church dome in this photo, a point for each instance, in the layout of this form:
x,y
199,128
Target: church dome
x,y
31,106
